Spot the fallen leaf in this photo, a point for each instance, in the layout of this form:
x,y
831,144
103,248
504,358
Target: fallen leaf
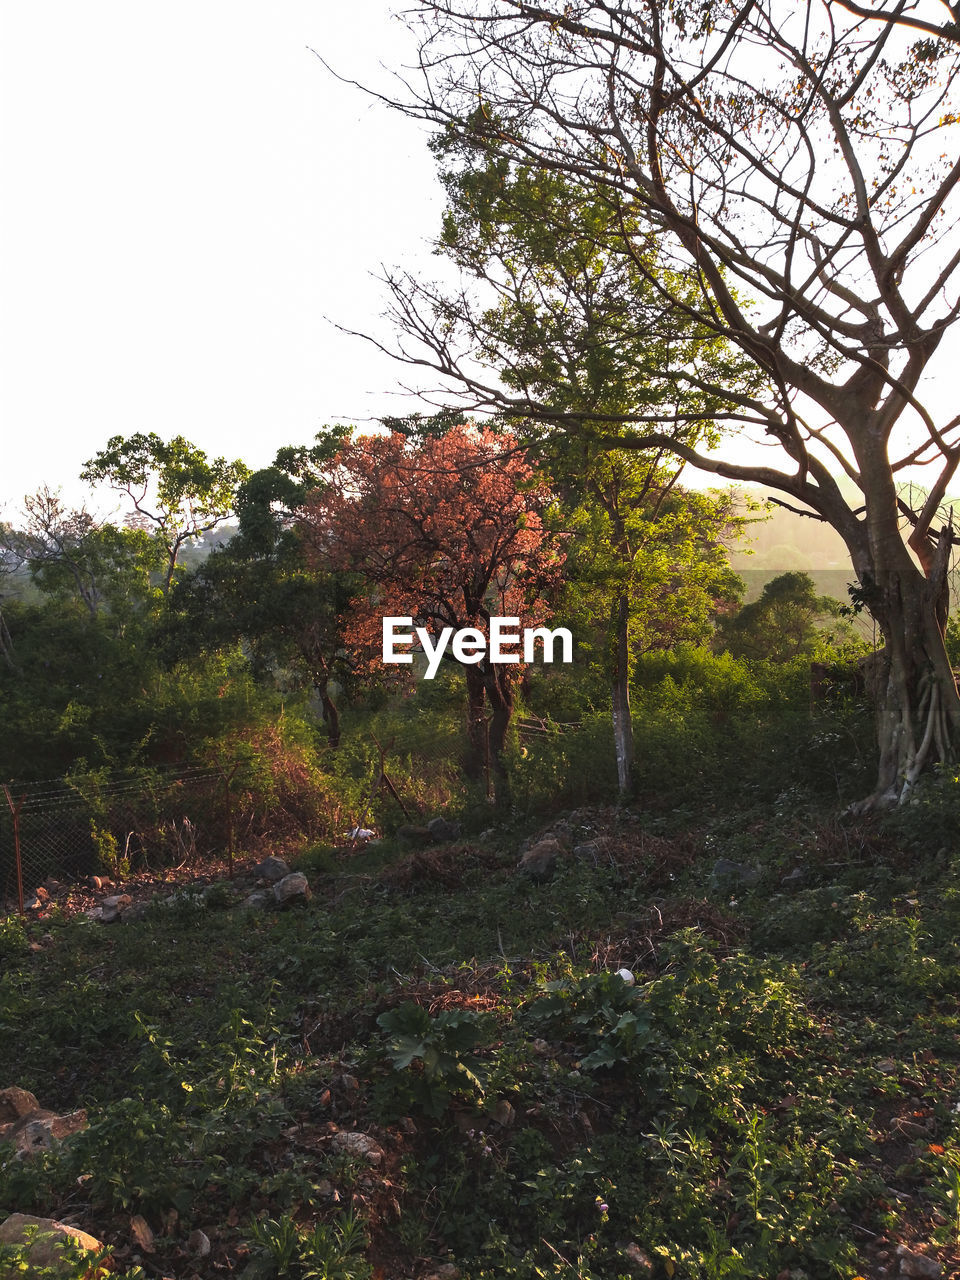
x,y
140,1230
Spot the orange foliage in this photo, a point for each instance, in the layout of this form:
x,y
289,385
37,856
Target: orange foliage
x,y
448,532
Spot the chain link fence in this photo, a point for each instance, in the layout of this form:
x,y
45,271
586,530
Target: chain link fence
x,y
68,828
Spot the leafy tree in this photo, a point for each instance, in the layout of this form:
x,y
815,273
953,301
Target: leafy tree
x,y
581,327
799,165
786,622
176,493
448,531
648,570
260,587
70,554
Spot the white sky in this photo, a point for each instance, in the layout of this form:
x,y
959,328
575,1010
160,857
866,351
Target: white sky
x,y
187,199
185,195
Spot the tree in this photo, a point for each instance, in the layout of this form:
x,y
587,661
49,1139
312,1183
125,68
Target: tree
x,y
579,325
784,623
68,553
447,531
798,165
648,570
176,492
260,587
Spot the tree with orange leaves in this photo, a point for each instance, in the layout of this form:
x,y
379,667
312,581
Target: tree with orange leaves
x,y
448,531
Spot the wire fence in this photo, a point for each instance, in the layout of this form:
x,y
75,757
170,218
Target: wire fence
x,y
72,827
69,828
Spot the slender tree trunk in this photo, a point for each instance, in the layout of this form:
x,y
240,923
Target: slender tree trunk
x,y
475,757
622,724
499,692
331,715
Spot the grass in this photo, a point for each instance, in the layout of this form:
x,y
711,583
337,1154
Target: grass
x,y
776,1095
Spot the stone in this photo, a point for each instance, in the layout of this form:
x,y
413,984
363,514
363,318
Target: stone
x,y
272,869
503,1113
728,875
359,1145
445,1271
15,1104
46,1237
917,1264
413,834
638,1260
902,1127
29,1127
292,888
198,1242
440,829
117,900
131,914
540,860
259,899
626,976
591,851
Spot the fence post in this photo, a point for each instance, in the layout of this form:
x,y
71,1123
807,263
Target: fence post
x,y
15,810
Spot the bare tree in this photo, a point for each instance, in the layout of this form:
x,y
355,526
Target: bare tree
x,y
798,165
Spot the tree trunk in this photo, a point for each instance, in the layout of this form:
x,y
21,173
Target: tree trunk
x,y
331,716
918,711
500,694
917,707
622,724
475,757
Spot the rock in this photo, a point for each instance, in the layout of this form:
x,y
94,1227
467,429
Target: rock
x,y
638,1260
29,1127
131,914
627,976
728,875
445,1271
15,1104
886,1066
503,1113
272,869
540,860
32,904
259,899
441,829
917,1264
593,851
414,834
292,888
198,1242
359,1145
46,1237
902,1127
117,900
